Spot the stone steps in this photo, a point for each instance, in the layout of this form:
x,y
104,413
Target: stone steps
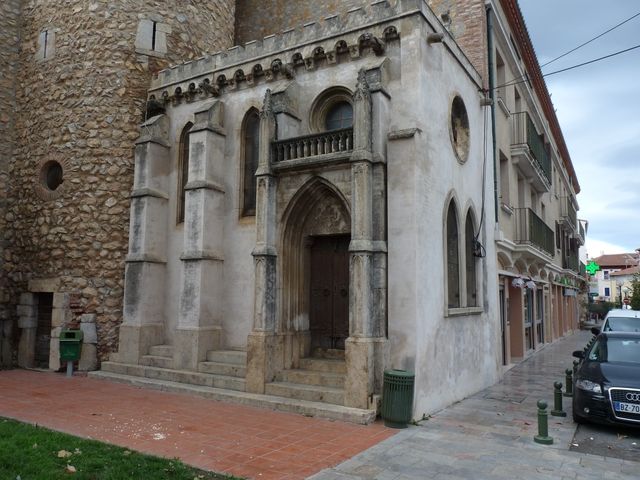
x,y
161,350
272,402
323,365
228,369
312,377
312,393
236,357
156,361
178,376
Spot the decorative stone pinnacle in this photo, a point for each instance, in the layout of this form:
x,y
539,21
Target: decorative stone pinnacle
x,y
267,106
362,87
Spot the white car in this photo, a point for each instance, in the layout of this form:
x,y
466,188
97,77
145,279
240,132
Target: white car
x,y
620,320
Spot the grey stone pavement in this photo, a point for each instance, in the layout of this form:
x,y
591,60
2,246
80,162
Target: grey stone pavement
x,y
490,435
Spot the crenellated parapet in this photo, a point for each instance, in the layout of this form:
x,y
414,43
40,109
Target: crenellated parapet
x,y
337,38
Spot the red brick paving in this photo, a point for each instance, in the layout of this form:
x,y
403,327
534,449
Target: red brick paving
x,y
223,437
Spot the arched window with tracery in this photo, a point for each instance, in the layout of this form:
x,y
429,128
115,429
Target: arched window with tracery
x,y
251,140
183,170
453,257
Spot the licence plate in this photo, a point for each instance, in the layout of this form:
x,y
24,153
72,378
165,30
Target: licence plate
x,y
626,407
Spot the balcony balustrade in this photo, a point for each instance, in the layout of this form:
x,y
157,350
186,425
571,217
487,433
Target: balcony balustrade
x,y
531,230
569,214
526,141
571,262
332,142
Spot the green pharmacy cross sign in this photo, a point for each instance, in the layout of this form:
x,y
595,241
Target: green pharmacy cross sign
x,y
592,267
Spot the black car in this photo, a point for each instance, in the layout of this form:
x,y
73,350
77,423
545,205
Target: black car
x,y
606,386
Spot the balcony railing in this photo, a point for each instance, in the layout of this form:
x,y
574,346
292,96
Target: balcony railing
x,y
334,141
581,233
569,213
525,133
571,262
531,229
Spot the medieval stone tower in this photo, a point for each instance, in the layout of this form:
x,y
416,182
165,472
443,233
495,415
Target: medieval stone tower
x,y
73,77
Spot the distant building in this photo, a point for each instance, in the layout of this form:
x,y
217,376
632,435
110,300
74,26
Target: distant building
x,y
613,281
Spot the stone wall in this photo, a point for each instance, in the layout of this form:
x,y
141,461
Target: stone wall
x,y
81,107
466,20
256,19
9,42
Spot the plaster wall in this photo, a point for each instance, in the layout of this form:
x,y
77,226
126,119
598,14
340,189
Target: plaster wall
x,y
452,355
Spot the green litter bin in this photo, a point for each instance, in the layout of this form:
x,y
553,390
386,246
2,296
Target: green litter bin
x,y
70,344
397,398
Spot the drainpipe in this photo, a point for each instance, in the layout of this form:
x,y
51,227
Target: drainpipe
x,y
492,94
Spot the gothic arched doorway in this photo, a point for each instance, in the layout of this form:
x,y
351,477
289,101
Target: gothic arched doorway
x,y
315,268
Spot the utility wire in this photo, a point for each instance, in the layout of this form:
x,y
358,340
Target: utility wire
x,y
526,77
591,61
589,41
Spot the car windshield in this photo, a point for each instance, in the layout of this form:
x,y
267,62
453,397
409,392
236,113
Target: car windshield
x,y
622,324
616,350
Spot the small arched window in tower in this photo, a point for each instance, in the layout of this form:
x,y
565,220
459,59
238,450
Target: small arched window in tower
x,y
339,115
250,139
453,260
471,262
183,170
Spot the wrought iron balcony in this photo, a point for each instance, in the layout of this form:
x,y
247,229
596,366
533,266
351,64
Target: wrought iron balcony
x,y
581,233
531,230
569,214
527,143
331,142
571,262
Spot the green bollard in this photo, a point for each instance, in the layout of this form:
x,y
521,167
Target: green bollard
x,y
557,401
543,425
569,383
575,366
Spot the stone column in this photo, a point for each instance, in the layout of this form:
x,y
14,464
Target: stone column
x,y
27,323
261,343
143,322
200,314
367,308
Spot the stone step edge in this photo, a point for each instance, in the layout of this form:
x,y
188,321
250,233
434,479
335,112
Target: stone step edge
x,y
272,402
307,387
173,370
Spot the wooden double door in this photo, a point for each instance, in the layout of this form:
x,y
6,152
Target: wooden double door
x,y
329,292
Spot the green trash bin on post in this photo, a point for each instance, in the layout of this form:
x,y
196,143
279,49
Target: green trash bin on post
x,y
70,346
397,398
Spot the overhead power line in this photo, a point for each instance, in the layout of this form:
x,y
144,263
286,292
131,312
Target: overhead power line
x,y
589,41
591,61
525,78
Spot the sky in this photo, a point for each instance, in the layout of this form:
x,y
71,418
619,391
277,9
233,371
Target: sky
x,y
598,107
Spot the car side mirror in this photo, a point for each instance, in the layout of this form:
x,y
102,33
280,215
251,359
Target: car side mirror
x,y
595,330
578,354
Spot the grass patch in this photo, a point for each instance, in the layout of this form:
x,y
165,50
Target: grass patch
x,y
29,452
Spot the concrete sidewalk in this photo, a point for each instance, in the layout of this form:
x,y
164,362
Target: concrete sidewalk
x,y
490,435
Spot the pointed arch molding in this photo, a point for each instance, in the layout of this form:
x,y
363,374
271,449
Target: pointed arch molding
x,y
317,208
